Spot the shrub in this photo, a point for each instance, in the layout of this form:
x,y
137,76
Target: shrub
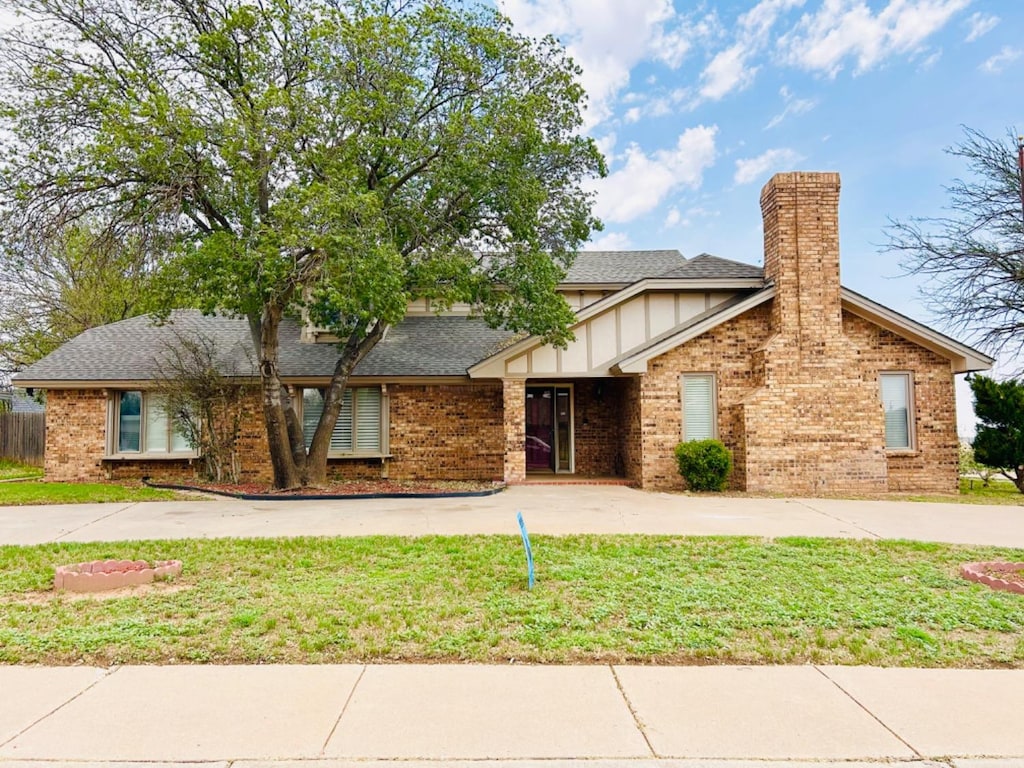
x,y
704,464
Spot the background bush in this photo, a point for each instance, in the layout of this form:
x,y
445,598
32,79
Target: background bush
x,y
704,464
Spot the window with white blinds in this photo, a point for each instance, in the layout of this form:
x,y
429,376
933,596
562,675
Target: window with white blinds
x,y
896,402
142,425
699,406
358,429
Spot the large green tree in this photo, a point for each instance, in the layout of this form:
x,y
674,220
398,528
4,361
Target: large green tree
x,y
999,442
972,256
326,158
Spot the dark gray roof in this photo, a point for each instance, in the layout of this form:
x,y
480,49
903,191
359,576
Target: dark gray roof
x,y
621,267
625,267
708,267
19,402
132,350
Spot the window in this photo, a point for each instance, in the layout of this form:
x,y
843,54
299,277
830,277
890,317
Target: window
x,y
358,429
142,425
897,403
699,406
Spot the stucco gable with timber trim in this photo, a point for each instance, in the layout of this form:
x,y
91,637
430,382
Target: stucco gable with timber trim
x,y
617,326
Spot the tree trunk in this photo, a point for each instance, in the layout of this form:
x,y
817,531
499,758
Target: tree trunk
x,y
355,349
264,329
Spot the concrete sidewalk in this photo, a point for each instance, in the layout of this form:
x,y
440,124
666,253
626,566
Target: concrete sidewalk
x,y
353,715
548,509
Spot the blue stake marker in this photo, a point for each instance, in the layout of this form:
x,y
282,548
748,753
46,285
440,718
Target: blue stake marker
x,y
526,546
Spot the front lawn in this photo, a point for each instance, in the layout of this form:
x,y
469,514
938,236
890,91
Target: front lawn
x,y
13,470
78,493
998,491
597,599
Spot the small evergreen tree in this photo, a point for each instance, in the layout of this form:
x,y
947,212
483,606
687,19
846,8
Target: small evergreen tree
x,y
999,406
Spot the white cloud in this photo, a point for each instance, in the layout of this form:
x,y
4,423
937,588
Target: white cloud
x,y
612,241
728,71
848,29
980,24
606,143
931,60
996,64
672,218
607,38
793,106
632,115
753,168
643,181
759,20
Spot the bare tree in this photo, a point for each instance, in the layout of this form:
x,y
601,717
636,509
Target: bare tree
x,y
973,257
56,282
207,403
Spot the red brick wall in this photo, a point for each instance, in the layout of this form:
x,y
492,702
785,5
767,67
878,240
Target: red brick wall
x,y
728,352
437,432
452,432
76,428
631,426
598,432
933,465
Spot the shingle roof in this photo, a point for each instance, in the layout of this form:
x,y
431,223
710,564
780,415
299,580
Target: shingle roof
x,y
18,402
132,350
710,267
621,266
625,267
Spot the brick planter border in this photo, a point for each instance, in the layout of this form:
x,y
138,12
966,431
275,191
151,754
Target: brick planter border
x,y
101,575
976,572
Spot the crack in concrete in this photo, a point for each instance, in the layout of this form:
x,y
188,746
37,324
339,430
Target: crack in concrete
x,y
99,519
837,519
632,711
106,674
344,709
870,714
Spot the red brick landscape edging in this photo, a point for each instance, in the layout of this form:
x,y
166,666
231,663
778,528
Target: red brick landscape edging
x,y
976,572
100,575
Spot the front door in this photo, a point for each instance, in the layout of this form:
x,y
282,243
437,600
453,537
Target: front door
x,y
548,429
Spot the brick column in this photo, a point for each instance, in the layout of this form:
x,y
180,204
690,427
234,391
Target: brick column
x,y
514,402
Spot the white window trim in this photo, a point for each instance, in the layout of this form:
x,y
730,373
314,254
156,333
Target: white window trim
x,y
385,424
714,402
911,411
114,426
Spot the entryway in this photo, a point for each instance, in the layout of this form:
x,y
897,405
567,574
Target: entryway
x,y
549,429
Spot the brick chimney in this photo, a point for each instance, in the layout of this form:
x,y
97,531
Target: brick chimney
x,y
801,256
814,424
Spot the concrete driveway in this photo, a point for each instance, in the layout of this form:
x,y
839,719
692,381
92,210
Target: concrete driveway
x,y
548,509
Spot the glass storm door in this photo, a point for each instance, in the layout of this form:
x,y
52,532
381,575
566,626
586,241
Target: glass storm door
x,y
548,429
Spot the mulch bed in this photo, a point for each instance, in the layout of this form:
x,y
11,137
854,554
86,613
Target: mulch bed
x,y
341,490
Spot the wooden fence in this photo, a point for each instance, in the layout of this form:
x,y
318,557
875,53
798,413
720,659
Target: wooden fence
x,y
23,437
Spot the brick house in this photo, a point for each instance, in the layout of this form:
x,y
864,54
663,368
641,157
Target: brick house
x,y
815,388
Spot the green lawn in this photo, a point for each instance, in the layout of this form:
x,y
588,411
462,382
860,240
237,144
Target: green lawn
x,y
77,493
598,599
998,491
10,470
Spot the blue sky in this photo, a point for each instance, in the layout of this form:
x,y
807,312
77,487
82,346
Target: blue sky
x,y
697,104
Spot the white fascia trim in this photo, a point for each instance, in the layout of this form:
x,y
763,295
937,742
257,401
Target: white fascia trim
x,y
637,363
963,358
610,301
